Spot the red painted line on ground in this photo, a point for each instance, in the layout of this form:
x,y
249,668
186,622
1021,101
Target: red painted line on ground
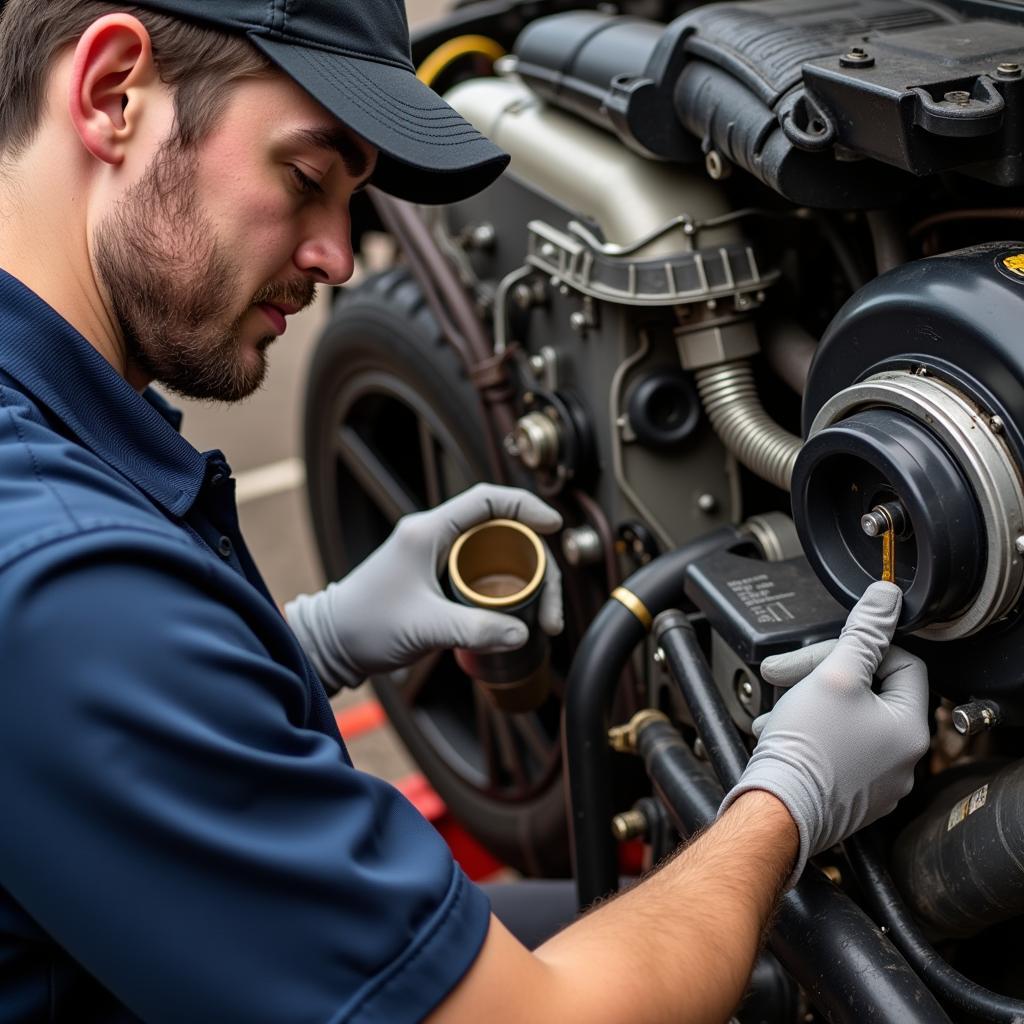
x,y
421,795
360,719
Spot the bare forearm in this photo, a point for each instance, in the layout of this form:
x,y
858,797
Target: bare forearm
x,y
678,947
681,946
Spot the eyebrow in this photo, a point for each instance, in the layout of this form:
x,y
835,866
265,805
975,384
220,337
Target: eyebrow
x,y
336,140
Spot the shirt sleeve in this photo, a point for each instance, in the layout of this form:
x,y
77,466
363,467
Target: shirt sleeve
x,y
173,824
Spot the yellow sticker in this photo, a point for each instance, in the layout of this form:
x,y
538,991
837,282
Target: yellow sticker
x,y
1015,264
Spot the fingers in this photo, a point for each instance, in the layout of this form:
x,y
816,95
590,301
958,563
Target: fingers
x,y
476,629
758,724
550,613
489,501
788,669
903,682
868,631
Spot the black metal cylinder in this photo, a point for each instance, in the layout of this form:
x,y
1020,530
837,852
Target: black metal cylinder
x,y
959,864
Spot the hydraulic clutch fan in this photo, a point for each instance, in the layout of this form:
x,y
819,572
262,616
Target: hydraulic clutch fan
x,y
913,418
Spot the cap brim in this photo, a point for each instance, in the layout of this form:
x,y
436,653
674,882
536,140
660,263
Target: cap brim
x,y
428,152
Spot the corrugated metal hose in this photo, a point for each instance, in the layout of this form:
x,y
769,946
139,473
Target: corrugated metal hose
x,y
731,401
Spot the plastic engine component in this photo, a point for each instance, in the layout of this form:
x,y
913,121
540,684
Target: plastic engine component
x,y
762,608
796,92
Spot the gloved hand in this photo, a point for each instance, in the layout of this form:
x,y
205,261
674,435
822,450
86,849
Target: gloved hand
x,y
838,755
390,610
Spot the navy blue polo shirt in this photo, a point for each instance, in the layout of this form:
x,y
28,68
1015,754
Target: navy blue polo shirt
x,y
182,834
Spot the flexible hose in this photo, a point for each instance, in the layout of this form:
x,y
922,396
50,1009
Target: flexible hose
x,y
590,689
449,52
952,987
730,399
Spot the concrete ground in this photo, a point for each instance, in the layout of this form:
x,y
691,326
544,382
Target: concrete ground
x,y
261,438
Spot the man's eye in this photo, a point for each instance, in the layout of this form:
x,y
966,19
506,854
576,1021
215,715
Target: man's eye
x,y
305,183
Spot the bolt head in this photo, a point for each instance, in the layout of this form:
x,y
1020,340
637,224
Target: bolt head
x,y
538,364
659,657
959,97
578,322
483,236
1018,545
856,57
996,424
1009,69
548,251
707,503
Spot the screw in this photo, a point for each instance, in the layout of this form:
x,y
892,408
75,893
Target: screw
x,y
548,251
707,503
482,236
538,364
1018,545
857,57
959,97
745,692
996,424
1009,69
659,657
578,322
524,296
921,371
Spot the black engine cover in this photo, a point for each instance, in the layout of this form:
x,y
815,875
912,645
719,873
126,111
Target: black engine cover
x,y
799,92
959,317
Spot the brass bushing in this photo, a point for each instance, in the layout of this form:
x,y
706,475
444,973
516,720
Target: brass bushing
x,y
500,565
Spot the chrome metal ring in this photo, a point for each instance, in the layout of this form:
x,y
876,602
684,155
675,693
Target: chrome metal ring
x,y
985,460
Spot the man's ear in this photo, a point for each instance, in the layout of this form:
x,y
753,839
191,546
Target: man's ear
x,y
113,62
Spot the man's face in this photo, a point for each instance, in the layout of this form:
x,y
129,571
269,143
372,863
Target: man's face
x,y
205,255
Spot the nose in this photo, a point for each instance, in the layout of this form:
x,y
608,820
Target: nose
x,y
325,252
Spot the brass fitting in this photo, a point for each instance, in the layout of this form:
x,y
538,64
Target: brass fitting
x,y
629,825
622,738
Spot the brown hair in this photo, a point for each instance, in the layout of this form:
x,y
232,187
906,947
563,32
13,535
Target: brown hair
x,y
198,62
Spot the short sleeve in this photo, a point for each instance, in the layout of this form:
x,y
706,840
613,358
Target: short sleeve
x,y
172,821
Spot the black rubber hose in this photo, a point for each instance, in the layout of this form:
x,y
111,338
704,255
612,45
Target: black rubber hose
x,y
590,689
952,987
691,674
849,969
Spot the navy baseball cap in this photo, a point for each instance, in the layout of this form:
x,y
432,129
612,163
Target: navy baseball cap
x,y
352,56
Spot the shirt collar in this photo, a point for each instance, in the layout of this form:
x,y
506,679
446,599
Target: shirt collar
x,y
132,433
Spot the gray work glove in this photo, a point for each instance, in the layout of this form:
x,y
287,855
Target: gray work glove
x,y
390,610
838,755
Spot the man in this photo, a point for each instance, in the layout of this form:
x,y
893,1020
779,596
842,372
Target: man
x,y
184,837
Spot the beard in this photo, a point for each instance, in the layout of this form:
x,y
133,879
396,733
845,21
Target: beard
x,y
173,287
